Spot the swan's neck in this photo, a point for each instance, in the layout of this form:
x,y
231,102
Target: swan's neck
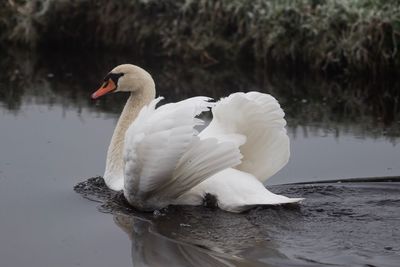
x,y
113,175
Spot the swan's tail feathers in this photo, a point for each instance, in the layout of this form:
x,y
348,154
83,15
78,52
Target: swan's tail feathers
x,y
237,191
203,159
259,118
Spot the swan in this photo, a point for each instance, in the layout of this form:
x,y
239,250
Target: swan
x,y
157,157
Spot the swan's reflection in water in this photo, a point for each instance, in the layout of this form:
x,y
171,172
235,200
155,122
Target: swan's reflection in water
x,y
166,242
151,249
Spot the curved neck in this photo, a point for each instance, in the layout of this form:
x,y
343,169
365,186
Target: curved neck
x,y
113,174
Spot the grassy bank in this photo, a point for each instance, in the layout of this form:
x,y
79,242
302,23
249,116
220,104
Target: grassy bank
x,y
346,37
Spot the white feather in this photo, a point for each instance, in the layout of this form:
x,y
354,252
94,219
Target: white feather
x,y
259,118
164,158
235,191
255,123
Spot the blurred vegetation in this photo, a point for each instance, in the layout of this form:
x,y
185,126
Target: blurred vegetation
x,y
350,37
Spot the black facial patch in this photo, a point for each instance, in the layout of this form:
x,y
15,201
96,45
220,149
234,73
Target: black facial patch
x,y
114,77
105,83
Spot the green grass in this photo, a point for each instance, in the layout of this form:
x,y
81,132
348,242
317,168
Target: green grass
x,y
348,37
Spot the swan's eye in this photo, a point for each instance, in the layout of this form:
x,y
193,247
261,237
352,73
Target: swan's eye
x,y
114,77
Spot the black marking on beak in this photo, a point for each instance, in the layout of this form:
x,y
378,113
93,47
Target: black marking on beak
x,y
114,77
106,83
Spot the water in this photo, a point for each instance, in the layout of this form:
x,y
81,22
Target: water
x,y
53,136
339,224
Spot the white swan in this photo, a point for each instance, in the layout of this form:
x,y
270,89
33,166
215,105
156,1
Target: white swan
x,y
157,158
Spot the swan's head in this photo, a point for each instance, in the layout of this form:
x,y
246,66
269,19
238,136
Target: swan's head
x,y
126,78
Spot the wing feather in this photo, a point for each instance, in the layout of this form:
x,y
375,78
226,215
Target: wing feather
x,y
164,157
259,120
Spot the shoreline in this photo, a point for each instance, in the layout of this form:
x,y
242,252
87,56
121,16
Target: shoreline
x,y
353,38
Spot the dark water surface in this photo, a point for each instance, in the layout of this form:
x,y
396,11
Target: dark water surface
x,y
340,224
52,136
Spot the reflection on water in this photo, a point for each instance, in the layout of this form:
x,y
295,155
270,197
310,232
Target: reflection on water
x,y
53,136
152,249
337,130
365,108
339,224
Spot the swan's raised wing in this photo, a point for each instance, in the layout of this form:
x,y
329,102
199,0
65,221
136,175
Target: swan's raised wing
x,y
164,157
259,118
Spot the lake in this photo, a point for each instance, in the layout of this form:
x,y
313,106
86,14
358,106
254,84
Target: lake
x,y
53,136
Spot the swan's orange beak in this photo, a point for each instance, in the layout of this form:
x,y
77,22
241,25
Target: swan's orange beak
x,y
107,87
